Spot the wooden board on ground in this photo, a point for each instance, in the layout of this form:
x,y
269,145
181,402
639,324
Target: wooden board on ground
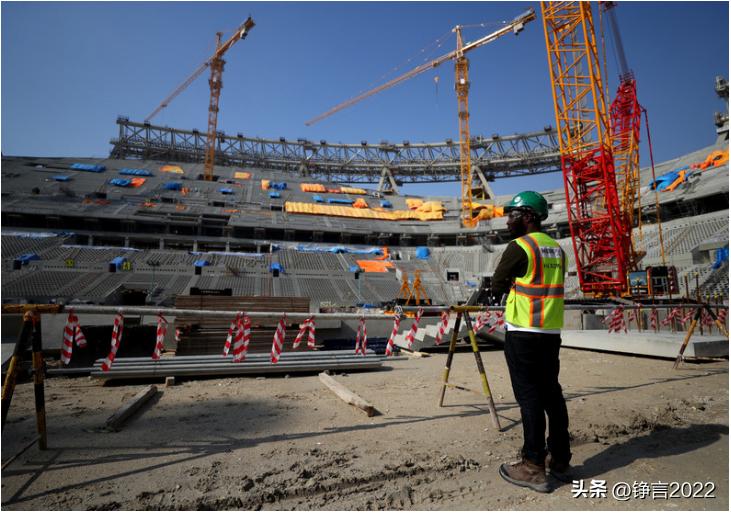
x,y
347,395
117,419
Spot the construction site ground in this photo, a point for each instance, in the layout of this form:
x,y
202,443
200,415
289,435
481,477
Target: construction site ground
x,y
282,443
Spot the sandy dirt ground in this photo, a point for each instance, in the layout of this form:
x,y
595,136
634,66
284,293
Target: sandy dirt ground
x,y
287,443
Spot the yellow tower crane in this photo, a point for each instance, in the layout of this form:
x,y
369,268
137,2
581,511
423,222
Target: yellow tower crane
x,y
216,63
462,89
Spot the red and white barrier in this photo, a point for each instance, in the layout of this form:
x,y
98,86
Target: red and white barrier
x,y
653,319
396,323
481,320
499,322
414,326
278,342
722,316
442,327
162,328
361,337
233,328
674,314
615,320
242,338
307,326
688,317
116,341
72,331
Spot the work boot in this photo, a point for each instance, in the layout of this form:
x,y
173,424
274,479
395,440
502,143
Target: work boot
x,y
560,470
526,474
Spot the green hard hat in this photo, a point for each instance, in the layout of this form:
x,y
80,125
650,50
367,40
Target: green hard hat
x,y
531,200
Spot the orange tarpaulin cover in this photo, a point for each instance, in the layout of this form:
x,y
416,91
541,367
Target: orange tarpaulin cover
x,y
360,204
375,266
244,175
265,184
137,182
352,212
414,203
353,191
171,169
312,188
487,211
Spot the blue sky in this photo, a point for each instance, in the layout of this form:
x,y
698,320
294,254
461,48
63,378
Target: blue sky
x,y
68,70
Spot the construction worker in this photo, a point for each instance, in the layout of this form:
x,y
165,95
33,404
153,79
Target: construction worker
x,y
531,271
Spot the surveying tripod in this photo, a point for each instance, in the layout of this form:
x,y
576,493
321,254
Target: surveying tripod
x,y
463,312
31,332
698,313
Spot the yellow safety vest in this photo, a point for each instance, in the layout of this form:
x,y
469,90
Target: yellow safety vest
x,y
536,299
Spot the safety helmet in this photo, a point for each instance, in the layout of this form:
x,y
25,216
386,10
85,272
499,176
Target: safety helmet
x,y
529,200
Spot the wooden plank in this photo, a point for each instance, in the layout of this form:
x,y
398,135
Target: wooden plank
x,y
116,420
413,354
347,395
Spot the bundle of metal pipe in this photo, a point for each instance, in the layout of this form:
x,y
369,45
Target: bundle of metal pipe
x,y
255,363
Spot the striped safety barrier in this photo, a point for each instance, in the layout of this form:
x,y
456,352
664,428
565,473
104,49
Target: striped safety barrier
x,y
442,327
361,337
499,322
71,332
233,328
396,323
307,326
162,328
615,320
414,326
654,319
674,314
278,341
242,338
116,341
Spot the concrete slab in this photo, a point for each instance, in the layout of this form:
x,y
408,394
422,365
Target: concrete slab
x,y
662,344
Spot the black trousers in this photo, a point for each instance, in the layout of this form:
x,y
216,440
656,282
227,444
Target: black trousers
x,y
534,366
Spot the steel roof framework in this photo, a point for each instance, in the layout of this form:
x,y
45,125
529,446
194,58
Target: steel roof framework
x,y
497,156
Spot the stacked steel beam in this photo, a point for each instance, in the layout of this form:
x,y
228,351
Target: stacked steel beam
x,y
256,363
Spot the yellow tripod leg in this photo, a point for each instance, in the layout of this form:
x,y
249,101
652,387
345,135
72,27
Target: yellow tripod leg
x,y
450,356
481,369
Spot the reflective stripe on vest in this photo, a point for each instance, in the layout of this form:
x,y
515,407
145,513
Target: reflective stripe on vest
x,y
536,299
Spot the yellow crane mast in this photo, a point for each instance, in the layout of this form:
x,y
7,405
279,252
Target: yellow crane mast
x,y
462,89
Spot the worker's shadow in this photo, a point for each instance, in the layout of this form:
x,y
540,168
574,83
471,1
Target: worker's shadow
x,y
661,442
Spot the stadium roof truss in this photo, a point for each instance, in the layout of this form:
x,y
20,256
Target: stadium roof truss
x,y
497,156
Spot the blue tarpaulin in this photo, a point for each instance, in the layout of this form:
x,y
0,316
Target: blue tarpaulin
x,y
339,249
226,191
121,182
135,171
281,186
27,257
96,168
340,200
118,261
274,194
173,186
665,180
276,266
422,252
200,263
386,204
61,178
317,198
721,256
